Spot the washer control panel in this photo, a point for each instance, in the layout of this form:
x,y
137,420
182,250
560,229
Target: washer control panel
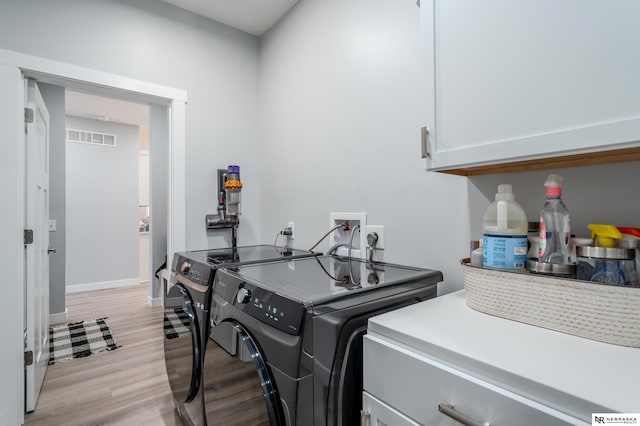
x,y
271,308
266,306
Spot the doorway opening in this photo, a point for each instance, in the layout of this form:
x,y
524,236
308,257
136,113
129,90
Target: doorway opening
x,y
107,192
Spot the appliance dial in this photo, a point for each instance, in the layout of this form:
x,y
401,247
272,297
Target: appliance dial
x,y
185,268
243,295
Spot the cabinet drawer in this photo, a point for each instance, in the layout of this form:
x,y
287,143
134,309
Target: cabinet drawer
x,y
380,414
416,385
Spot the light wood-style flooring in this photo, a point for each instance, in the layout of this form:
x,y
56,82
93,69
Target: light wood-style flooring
x,y
127,386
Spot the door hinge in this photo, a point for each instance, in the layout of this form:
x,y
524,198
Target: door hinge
x,y
28,115
28,358
28,236
424,136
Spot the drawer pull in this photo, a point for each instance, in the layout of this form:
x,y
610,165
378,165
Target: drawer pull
x,y
448,410
364,417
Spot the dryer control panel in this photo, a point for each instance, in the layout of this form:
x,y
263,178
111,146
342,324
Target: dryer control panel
x,y
189,271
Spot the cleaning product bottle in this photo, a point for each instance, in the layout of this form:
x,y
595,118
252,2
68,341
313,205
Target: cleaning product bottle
x,y
505,232
631,240
605,263
555,229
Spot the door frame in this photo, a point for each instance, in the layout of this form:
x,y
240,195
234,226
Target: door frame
x,y
13,67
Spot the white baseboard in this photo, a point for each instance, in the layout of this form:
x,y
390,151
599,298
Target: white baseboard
x,y
59,318
102,285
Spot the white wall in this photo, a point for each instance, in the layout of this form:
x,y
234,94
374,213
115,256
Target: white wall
x,y
54,98
102,206
593,194
158,197
153,41
341,107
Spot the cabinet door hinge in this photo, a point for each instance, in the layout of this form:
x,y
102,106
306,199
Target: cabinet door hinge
x,y
28,358
424,136
28,115
28,236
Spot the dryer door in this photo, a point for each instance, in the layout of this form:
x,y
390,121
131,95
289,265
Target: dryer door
x,y
238,386
182,346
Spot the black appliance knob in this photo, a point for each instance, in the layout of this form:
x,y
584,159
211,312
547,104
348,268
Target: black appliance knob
x,y
243,295
185,268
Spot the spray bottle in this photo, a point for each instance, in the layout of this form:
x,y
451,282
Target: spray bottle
x,y
555,229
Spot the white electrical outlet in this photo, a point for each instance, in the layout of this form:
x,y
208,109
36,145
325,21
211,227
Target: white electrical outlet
x,y
292,226
342,237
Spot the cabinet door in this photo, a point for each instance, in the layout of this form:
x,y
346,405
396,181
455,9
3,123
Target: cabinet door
x,y
520,80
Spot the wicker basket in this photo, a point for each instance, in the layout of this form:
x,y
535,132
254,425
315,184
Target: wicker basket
x,y
607,313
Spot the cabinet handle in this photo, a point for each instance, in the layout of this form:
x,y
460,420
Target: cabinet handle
x,y
364,417
424,139
448,410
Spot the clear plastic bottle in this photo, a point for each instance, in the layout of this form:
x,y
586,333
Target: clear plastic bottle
x,y
555,227
505,232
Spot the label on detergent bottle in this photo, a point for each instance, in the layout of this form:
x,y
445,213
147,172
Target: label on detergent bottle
x,y
504,251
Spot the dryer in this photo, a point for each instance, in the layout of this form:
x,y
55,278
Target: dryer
x,y
187,317
286,337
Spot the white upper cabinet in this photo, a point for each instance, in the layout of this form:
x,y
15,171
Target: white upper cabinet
x,y
525,80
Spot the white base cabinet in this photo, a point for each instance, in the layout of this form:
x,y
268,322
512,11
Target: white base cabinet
x,y
419,390
440,362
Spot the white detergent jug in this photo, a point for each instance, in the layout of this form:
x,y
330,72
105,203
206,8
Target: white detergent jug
x,y
505,232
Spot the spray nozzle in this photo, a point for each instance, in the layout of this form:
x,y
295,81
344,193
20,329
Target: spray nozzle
x,y
603,235
554,185
553,181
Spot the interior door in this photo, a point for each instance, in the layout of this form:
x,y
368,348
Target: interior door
x,y
36,252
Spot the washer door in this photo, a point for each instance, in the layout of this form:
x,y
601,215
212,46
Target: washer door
x,y
182,347
238,386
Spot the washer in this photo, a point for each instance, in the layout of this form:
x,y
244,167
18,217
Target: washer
x,y
187,317
286,341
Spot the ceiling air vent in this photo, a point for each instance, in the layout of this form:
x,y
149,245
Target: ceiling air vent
x,y
95,138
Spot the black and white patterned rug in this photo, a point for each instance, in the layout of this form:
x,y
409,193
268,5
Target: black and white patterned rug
x,y
176,323
79,339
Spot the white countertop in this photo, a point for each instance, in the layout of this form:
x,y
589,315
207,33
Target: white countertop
x,y
571,372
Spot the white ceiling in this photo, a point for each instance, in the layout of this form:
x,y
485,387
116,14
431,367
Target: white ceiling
x,y
251,16
108,109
